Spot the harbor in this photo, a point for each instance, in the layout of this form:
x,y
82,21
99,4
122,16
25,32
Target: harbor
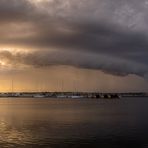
x,y
73,95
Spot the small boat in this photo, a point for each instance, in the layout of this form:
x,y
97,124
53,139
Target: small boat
x,y
38,96
76,97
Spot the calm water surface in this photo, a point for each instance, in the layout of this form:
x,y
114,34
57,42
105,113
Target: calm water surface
x,y
74,123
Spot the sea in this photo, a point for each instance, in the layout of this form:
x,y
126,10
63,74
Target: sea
x,y
73,123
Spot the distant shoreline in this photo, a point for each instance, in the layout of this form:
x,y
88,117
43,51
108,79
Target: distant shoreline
x,y
73,95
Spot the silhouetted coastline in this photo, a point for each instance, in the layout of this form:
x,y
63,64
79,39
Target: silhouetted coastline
x,y
74,95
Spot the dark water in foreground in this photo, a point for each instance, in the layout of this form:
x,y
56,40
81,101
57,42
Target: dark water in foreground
x,y
55,123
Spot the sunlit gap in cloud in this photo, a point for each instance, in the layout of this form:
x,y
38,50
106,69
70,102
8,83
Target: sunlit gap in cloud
x,y
7,60
20,59
14,50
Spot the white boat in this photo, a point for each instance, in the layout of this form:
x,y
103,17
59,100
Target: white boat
x,y
76,97
38,96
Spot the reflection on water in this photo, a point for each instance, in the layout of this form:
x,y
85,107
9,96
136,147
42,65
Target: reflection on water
x,y
67,123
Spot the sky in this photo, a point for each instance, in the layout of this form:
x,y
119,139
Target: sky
x,y
74,45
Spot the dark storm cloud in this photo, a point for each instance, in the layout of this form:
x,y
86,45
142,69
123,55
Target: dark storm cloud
x,y
105,63
107,35
14,10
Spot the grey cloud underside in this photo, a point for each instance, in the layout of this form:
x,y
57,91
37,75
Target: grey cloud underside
x,y
105,63
95,35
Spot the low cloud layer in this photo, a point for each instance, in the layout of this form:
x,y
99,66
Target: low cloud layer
x,y
38,59
111,36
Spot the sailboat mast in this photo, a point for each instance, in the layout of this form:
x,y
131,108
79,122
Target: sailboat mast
x,y
12,86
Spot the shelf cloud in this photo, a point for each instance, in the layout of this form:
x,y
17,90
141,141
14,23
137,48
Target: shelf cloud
x,y
107,64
